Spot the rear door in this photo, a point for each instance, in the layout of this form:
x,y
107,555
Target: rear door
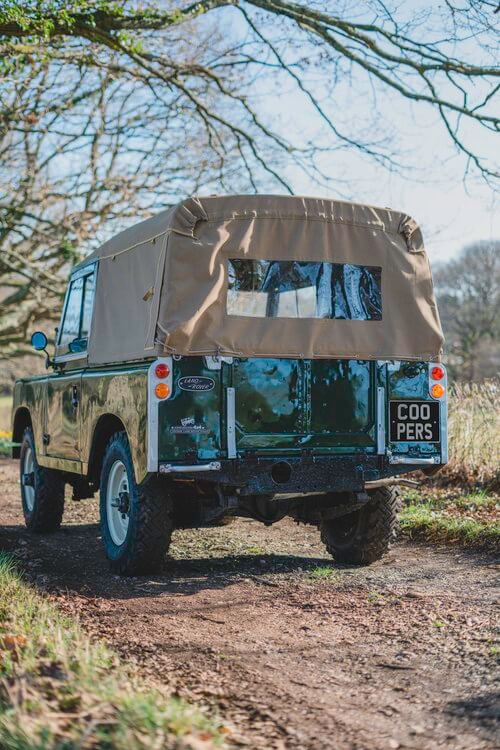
x,y
287,404
269,403
342,401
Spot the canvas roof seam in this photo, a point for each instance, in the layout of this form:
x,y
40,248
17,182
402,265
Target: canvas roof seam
x,y
313,198
368,225
422,356
160,264
131,247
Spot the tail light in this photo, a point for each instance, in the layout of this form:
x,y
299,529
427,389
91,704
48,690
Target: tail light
x,y
437,381
162,370
437,373
160,380
437,390
162,390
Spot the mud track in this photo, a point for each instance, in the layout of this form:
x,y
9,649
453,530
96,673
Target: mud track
x,y
292,652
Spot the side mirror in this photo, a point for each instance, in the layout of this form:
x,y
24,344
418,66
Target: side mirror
x,y
39,341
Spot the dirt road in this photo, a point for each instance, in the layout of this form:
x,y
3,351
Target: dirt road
x,y
292,651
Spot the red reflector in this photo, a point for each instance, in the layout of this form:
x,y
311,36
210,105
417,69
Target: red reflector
x,y
437,373
162,370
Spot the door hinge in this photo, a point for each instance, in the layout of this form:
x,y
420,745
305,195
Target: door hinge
x,y
231,422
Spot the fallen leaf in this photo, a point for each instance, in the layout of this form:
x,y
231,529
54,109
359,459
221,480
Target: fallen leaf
x,y
13,642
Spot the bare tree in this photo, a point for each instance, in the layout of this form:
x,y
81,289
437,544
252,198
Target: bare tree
x,y
468,291
83,147
110,111
425,57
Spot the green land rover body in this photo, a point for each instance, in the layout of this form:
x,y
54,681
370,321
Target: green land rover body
x,y
240,355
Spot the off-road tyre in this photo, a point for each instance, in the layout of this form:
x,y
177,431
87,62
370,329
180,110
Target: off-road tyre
x,y
364,536
45,515
224,521
150,522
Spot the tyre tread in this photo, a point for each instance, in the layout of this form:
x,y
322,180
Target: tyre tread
x,y
378,529
48,512
146,550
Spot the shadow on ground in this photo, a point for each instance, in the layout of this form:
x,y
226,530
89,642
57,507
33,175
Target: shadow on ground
x,y
73,558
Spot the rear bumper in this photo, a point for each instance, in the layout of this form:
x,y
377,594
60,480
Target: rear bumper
x,y
257,476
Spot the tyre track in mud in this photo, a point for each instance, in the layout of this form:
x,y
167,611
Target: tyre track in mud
x,y
293,652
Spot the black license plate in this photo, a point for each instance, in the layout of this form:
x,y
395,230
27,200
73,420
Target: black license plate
x,y
414,421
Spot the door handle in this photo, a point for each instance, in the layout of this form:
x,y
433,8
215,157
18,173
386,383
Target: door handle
x,y
74,396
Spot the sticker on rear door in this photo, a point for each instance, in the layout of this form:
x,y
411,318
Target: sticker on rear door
x,y
414,421
196,383
189,426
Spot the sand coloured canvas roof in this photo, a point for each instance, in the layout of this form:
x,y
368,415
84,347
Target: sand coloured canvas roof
x,y
162,284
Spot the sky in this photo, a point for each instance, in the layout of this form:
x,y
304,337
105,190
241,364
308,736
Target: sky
x,y
453,210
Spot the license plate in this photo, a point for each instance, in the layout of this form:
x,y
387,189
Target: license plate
x,y
414,421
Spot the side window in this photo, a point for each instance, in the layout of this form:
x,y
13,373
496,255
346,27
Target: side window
x,y
77,316
71,324
88,304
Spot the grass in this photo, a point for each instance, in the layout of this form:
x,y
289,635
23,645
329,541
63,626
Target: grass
x,y
323,573
474,435
470,520
5,443
61,691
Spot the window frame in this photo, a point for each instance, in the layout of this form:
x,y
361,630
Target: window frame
x,y
82,273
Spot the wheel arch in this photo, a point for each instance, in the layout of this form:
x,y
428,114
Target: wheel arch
x,y
106,426
22,420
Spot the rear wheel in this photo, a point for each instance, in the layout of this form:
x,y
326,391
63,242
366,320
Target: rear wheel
x,y
136,521
365,535
42,490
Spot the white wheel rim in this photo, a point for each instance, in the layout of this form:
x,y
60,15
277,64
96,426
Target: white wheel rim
x,y
28,489
118,518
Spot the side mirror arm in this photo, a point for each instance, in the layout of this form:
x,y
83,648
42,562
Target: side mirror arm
x,y
48,361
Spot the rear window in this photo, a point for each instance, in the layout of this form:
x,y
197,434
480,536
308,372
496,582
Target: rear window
x,y
303,289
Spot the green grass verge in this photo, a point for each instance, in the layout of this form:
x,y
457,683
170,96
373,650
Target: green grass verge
x,y
61,691
5,446
452,521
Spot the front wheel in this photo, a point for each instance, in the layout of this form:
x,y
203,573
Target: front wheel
x,y
42,490
136,521
361,537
